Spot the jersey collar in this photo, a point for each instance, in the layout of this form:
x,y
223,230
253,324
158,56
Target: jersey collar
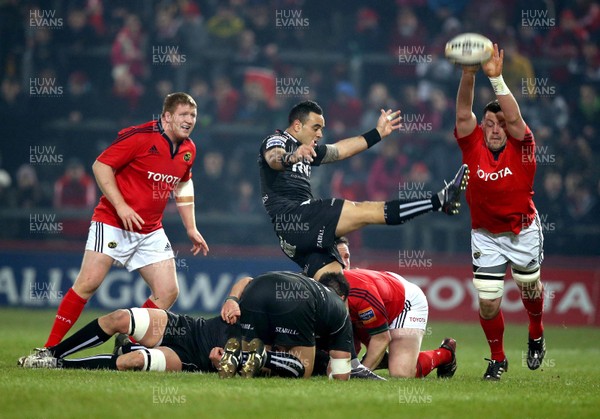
x,y
290,136
173,148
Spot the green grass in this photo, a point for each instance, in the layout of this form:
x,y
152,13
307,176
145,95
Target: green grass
x,y
567,385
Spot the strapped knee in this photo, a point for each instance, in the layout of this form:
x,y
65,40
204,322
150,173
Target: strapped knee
x,y
489,281
154,360
139,321
525,278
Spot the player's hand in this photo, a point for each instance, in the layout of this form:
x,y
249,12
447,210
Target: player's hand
x,y
305,153
215,356
230,312
131,220
493,66
388,121
199,244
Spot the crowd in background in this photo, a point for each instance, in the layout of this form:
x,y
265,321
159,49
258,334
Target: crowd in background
x,y
74,73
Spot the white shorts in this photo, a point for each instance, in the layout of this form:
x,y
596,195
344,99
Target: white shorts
x,y
130,250
524,251
416,308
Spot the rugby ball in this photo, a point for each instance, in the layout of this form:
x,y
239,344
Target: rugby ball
x,y
469,49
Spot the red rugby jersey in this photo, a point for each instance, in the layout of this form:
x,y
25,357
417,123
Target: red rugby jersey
x,y
147,170
500,192
375,299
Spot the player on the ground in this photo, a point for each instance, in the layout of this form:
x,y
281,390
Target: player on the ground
x,y
308,227
390,313
287,311
165,342
505,224
136,174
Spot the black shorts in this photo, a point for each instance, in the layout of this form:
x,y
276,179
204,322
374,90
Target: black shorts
x,y
307,233
182,335
280,313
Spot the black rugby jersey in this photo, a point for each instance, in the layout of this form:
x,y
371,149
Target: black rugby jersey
x,y
283,190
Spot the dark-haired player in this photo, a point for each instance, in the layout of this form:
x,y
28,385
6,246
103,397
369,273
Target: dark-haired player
x,y
390,314
307,227
505,225
136,174
287,311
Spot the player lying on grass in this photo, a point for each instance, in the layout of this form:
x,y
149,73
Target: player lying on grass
x,y
167,342
390,313
287,311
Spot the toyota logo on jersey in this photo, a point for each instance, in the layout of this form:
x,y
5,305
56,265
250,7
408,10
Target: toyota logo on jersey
x,y
161,177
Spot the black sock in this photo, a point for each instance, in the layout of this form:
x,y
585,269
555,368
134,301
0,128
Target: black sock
x,y
321,363
89,336
96,362
284,364
400,211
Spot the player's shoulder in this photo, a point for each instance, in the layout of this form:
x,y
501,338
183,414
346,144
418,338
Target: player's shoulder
x,y
137,131
277,139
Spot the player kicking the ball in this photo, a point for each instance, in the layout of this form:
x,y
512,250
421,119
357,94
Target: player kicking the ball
x,y
307,227
505,224
136,174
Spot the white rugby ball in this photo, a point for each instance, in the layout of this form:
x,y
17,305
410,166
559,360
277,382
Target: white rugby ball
x,y
469,48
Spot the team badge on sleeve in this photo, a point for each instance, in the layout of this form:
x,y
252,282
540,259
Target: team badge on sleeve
x,y
187,156
367,315
275,142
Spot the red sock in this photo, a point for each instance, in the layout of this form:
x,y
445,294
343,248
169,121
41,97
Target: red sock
x,y
494,332
430,360
149,304
535,311
68,312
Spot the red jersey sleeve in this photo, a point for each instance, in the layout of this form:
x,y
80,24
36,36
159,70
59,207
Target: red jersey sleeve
x,y
188,174
123,150
368,310
469,141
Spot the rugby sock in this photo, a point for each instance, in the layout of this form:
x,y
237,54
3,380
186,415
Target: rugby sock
x,y
400,211
96,362
149,304
284,364
68,312
494,333
89,336
430,360
321,362
535,311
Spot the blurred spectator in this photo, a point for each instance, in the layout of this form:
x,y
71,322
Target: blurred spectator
x,y
254,109
200,91
128,48
582,204
28,191
378,98
368,34
228,99
345,111
80,100
13,102
75,188
212,193
387,172
588,107
565,43
224,27
192,34
517,69
348,180
126,95
408,42
245,200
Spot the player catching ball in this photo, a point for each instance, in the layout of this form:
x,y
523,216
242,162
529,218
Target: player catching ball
x,y
500,153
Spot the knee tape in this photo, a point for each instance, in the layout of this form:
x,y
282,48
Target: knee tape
x,y
154,360
339,366
489,289
525,278
139,321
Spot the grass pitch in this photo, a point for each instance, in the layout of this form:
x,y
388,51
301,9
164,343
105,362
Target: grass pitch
x,y
567,385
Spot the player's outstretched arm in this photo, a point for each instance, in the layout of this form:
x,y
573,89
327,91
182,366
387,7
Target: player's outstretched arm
x,y
465,118
105,177
376,349
512,114
388,122
230,311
